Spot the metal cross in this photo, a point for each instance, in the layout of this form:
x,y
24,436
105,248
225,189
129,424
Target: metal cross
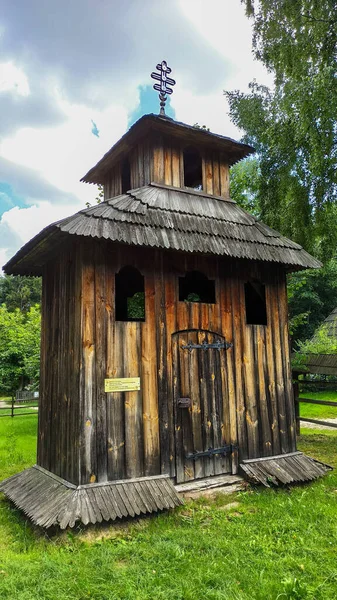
x,y
165,81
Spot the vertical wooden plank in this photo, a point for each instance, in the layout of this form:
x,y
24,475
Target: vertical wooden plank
x,y
226,309
134,440
163,347
169,317
158,161
199,470
186,413
224,178
140,179
215,406
167,165
179,457
149,382
266,447
115,401
252,417
208,175
238,324
87,376
216,175
44,399
176,181
285,349
75,361
147,162
223,407
270,373
205,403
100,370
277,352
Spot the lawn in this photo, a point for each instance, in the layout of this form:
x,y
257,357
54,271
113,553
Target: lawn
x,y
254,545
316,411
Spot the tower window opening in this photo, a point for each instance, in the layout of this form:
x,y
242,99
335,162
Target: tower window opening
x,y
192,169
129,295
126,176
255,300
196,287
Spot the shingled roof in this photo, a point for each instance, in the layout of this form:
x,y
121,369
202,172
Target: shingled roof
x,y
158,216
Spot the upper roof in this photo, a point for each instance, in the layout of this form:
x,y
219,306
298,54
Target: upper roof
x,y
192,135
159,216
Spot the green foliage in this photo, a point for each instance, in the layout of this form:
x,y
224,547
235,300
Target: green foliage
x,y
244,184
320,343
312,295
293,126
136,306
20,292
19,348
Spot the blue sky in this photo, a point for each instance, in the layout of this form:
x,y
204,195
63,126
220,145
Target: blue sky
x,y
74,78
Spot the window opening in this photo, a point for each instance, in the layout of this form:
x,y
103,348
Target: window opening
x,y
192,169
255,299
196,287
129,295
126,176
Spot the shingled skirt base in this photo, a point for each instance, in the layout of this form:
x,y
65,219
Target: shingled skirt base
x,y
50,501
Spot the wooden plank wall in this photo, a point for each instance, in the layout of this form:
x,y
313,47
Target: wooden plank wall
x,y
168,167
131,434
113,183
162,161
59,419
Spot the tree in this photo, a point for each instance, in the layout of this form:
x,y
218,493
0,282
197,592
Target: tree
x,y
244,184
312,295
19,348
293,127
20,292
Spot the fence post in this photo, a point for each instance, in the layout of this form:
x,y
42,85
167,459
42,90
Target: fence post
x,y
12,408
296,402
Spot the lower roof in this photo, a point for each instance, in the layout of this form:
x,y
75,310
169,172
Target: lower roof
x,y
158,216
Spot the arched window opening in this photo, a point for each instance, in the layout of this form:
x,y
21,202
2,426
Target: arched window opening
x,y
126,176
192,169
196,287
255,299
129,295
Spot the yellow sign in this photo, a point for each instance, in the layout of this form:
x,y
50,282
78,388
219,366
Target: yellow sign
x,y
125,384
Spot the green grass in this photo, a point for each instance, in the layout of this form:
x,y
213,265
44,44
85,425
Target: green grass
x,y
270,545
317,411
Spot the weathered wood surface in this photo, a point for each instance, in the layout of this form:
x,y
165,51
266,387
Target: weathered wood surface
x,y
49,500
59,416
88,436
293,467
200,375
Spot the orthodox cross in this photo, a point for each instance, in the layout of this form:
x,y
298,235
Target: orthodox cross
x,y
165,81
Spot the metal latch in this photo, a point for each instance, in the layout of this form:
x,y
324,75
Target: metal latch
x,y
223,451
184,403
206,346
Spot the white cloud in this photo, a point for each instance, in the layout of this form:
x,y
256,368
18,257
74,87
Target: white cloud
x,y
64,154
60,73
13,79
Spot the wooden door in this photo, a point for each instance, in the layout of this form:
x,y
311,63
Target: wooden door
x,y
201,404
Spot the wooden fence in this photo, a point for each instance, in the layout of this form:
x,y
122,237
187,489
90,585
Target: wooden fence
x,y
315,384
18,403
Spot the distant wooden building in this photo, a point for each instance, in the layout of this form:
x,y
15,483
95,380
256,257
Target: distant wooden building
x,y
164,354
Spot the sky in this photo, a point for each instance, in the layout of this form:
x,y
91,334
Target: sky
x,y
74,75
